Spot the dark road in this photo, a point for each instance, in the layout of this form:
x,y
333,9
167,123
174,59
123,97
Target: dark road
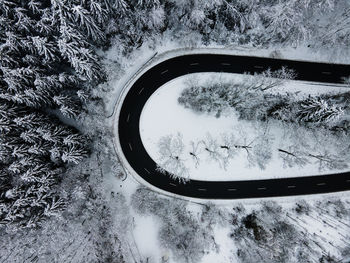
x,y
150,81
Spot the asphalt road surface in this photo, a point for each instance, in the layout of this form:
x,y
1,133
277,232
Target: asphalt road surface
x,y
150,81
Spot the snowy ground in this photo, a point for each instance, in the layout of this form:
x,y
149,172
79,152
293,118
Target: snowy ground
x,y
146,227
163,115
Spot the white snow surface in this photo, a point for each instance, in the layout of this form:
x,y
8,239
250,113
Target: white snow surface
x,y
163,115
226,247
146,237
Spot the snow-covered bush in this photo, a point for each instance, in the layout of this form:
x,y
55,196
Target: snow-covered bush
x,y
321,111
318,110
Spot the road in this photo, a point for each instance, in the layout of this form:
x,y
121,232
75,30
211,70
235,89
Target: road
x,y
150,81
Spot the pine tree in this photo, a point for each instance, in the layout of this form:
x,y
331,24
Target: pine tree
x,y
73,154
318,110
30,155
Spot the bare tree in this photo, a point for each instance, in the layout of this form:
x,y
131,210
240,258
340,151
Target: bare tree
x,y
326,160
302,146
338,32
228,146
258,147
170,149
270,78
245,142
212,148
262,152
326,151
195,151
285,21
292,155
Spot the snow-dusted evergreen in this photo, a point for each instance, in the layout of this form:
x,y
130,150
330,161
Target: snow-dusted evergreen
x,y
50,80
28,170
39,76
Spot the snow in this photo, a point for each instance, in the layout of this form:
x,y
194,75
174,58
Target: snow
x,y
162,115
146,237
226,247
9,194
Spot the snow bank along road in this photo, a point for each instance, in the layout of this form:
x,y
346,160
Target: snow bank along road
x,y
137,157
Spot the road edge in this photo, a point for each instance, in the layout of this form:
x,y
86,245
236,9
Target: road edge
x,y
154,60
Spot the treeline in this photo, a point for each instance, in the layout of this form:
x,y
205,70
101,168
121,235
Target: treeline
x,y
257,23
297,147
47,67
253,99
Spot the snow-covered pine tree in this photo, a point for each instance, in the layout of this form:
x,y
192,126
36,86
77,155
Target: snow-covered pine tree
x,y
47,62
318,110
30,154
73,154
40,42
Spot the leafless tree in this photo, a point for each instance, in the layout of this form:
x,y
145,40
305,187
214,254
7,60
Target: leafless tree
x,y
269,79
324,153
245,142
212,148
303,146
195,152
258,147
170,149
228,147
292,156
325,160
338,31
262,152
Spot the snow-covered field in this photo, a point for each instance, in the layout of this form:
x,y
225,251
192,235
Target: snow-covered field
x,y
163,115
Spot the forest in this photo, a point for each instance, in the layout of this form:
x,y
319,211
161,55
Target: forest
x,y
55,137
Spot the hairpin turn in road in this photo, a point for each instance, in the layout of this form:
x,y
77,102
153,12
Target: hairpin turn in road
x,y
138,158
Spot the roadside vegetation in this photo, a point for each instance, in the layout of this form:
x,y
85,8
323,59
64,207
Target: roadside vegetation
x,y
270,123
260,98
264,232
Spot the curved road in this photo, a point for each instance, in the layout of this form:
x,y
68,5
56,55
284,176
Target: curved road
x,y
141,162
